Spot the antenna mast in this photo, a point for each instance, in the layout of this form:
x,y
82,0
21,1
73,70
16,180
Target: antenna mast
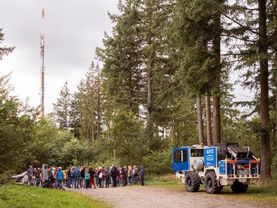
x,y
42,65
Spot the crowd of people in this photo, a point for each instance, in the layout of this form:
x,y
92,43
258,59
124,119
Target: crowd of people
x,y
85,176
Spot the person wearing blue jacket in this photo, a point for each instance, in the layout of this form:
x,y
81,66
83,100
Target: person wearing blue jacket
x,y
60,178
76,177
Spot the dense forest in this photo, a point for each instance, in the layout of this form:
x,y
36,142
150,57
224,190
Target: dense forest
x,y
162,80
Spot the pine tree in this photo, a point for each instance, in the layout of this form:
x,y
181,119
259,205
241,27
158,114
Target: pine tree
x,y
62,107
89,101
197,37
157,68
122,60
253,59
74,117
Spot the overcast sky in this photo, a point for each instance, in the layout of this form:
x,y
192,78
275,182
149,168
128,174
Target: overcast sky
x,y
73,29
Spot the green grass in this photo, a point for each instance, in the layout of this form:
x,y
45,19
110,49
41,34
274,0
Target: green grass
x,y
164,182
263,194
20,196
256,193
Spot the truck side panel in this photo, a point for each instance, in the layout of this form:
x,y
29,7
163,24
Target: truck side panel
x,y
180,159
210,157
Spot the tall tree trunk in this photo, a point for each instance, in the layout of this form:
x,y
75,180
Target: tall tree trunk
x,y
216,120
149,130
199,119
274,9
98,127
216,95
208,119
275,112
92,133
264,108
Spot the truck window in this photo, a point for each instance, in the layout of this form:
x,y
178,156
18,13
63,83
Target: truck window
x,y
197,152
180,156
177,156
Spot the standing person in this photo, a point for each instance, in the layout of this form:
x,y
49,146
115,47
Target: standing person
x,y
121,176
55,176
141,174
108,177
129,175
96,177
114,175
100,176
82,177
87,178
69,177
38,176
51,176
92,173
103,181
134,174
30,173
73,176
60,177
76,177
110,173
125,175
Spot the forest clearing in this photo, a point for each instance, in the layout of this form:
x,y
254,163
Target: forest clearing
x,y
100,93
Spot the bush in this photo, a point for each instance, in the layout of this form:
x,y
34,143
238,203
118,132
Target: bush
x,y
158,162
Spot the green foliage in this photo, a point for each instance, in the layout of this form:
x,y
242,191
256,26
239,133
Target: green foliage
x,y
121,56
62,107
158,162
56,147
15,129
193,29
34,197
88,106
126,134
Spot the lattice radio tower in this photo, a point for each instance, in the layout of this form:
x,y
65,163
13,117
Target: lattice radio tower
x,y
42,43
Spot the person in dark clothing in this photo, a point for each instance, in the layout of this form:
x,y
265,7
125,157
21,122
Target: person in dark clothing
x,y
69,177
92,173
114,175
125,174
30,174
141,174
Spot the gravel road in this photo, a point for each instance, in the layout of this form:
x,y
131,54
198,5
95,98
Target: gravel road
x,y
147,197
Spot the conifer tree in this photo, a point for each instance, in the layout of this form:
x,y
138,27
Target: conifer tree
x,y
89,101
198,53
62,107
253,59
122,60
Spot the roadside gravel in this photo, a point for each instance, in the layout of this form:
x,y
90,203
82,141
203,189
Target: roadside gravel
x,y
147,197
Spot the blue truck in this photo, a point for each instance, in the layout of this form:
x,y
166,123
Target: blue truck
x,y
216,166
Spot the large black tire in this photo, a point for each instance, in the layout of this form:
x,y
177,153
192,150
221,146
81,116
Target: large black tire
x,y
211,184
192,182
239,187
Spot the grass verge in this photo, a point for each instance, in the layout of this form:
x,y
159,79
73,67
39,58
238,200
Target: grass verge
x,y
20,196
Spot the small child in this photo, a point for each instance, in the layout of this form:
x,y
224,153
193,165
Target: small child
x,y
87,179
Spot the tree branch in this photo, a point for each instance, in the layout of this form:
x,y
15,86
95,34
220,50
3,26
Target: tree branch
x,y
238,23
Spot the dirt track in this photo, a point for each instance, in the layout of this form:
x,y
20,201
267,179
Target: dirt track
x,y
147,197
